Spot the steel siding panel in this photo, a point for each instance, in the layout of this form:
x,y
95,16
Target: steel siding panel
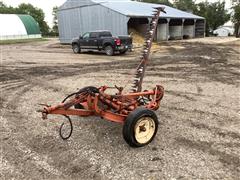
x,y
74,22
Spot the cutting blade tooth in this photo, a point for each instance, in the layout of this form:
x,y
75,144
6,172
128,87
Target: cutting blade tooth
x,y
140,70
154,16
148,41
154,21
148,34
138,75
151,32
146,44
135,84
145,50
154,25
159,8
148,37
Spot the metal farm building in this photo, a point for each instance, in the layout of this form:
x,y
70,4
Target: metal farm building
x,y
78,16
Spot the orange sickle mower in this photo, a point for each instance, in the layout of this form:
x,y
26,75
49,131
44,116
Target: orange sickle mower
x,y
134,110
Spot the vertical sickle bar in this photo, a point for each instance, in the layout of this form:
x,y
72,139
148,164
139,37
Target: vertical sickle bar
x,y
137,84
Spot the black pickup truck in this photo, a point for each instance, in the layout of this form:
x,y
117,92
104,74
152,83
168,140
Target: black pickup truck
x,y
102,41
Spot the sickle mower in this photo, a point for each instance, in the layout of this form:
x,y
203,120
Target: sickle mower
x,y
135,110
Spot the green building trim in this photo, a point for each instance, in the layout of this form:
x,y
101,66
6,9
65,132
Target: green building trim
x,y
30,24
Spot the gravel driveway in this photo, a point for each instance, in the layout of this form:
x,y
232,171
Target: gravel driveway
x,y
199,132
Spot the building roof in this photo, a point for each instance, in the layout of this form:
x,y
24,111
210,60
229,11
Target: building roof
x,y
14,24
131,8
30,24
225,28
141,9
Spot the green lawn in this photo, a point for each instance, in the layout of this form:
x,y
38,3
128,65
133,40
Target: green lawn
x,y
17,41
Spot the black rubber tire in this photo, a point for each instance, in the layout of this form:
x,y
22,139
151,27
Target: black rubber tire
x,y
109,50
76,49
123,51
130,122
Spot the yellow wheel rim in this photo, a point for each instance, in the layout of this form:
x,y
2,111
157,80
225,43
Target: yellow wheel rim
x,y
144,130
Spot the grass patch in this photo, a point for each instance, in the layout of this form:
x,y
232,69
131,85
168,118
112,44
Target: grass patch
x,y
19,41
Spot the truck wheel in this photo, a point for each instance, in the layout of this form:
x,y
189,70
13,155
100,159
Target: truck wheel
x,y
76,48
109,50
123,51
140,127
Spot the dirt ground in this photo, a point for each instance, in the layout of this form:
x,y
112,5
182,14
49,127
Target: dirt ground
x,y
199,132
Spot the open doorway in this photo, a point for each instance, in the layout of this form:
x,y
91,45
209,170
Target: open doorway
x,y
175,29
189,29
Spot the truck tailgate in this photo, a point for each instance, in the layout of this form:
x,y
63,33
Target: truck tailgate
x,y
125,40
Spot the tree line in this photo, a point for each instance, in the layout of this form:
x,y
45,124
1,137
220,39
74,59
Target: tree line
x,y
36,13
215,13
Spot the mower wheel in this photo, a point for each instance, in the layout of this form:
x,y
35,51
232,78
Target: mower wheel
x,y
140,127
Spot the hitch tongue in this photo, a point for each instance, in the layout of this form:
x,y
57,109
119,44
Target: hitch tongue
x,y
43,111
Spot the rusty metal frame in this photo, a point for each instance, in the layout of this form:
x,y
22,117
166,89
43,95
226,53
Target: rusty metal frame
x,y
96,102
118,106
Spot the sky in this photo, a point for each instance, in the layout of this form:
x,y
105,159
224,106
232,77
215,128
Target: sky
x,y
47,6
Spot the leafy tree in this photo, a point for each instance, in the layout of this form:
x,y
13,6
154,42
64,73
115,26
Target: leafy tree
x,y
185,5
235,2
55,22
236,16
215,14
165,2
4,9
